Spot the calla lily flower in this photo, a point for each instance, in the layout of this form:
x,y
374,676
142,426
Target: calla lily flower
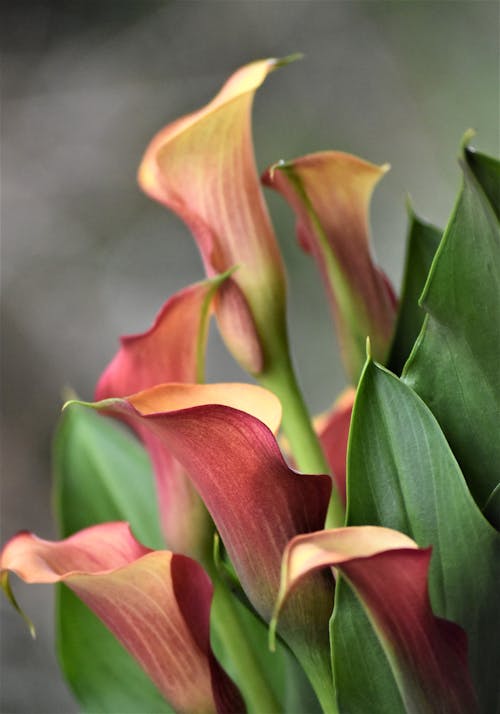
x,y
223,437
388,573
163,614
172,350
202,167
330,194
218,465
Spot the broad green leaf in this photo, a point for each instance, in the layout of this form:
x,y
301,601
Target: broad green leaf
x,y
101,474
454,366
422,242
402,475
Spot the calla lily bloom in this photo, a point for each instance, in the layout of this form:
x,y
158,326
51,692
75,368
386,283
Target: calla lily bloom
x,y
330,194
256,501
389,574
172,350
202,167
218,465
156,603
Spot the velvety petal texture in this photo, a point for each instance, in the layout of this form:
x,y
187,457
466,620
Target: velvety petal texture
x,y
256,501
330,194
202,167
333,430
172,350
389,574
156,603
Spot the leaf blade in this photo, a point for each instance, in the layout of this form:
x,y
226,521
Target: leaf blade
x,y
454,365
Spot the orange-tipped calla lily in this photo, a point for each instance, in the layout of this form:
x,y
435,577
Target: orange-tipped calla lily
x,y
172,350
202,167
256,501
330,193
156,603
389,574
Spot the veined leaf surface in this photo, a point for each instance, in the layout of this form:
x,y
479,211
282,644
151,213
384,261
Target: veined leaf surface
x,y
454,365
402,475
422,243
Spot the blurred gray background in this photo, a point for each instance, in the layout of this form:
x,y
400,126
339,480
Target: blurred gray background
x,y
86,257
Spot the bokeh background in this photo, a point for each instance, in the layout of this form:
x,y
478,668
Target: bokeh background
x,y
86,257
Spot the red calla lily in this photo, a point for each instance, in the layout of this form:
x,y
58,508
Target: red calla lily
x,y
256,501
156,603
389,574
202,167
172,350
330,194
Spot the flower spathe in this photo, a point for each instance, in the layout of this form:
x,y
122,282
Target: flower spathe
x,y
389,574
164,607
202,167
330,193
172,350
222,437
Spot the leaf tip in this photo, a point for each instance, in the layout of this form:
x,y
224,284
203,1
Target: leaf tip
x,y
368,350
288,59
466,139
409,207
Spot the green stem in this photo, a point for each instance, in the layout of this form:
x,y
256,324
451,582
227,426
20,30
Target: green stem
x,y
297,426
250,678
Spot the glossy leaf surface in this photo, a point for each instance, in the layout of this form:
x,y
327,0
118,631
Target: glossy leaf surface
x,y
454,366
487,171
402,474
422,243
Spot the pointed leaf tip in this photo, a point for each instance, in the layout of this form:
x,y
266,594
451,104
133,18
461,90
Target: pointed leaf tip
x,y
466,139
288,59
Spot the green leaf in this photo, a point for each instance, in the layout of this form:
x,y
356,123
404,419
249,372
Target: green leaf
x,y
454,366
422,243
101,474
486,169
402,475
363,678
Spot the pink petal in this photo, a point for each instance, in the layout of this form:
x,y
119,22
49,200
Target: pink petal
x,y
202,167
330,193
172,350
157,605
389,574
256,501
